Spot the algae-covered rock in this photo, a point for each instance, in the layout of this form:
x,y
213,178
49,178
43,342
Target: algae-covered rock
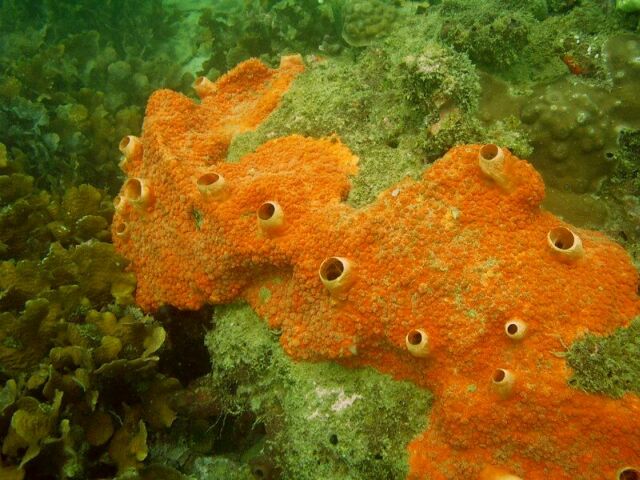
x,y
381,106
533,41
364,105
439,79
492,36
608,365
364,21
83,394
222,467
321,420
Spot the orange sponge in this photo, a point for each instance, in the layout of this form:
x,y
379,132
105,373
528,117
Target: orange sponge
x,y
458,282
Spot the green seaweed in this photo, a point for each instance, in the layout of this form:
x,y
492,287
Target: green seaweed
x,y
235,31
607,364
75,77
386,107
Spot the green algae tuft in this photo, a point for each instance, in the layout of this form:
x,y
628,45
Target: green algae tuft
x,y
607,364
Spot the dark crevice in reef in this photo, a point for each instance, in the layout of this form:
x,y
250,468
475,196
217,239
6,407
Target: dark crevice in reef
x,y
186,357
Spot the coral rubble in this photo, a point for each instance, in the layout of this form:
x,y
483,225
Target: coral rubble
x,y
458,259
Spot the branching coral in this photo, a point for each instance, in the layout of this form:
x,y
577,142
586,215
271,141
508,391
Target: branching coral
x,y
459,254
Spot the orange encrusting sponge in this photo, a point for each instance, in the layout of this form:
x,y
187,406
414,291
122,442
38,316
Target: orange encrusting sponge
x,y
458,282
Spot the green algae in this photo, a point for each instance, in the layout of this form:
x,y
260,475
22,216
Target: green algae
x,y
607,364
628,5
74,79
222,467
235,31
492,35
365,21
321,420
63,362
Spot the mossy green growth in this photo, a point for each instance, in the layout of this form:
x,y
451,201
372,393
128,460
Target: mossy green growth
x,y
322,420
230,31
439,79
380,104
364,104
398,104
364,21
622,190
3,156
609,365
491,34
525,42
221,467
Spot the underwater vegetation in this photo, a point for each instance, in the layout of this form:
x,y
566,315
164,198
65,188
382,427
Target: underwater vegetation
x,y
329,262
66,92
76,357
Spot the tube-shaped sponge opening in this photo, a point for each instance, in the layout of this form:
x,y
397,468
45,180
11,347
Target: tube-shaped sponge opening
x,y
336,274
417,342
565,243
